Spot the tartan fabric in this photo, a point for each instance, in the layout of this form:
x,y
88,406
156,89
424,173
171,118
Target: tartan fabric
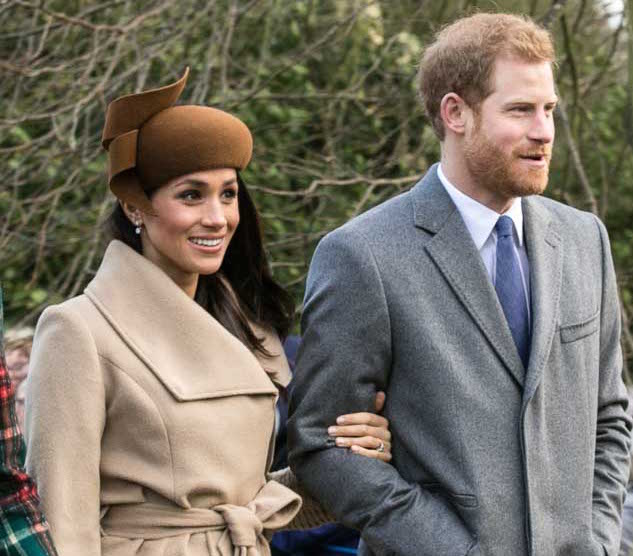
x,y
23,529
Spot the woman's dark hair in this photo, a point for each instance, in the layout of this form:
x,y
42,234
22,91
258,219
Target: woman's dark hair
x,y
243,290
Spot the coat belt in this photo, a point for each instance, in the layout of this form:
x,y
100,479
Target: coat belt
x,y
241,528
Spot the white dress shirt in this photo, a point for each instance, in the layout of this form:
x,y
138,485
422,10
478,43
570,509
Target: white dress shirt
x,y
480,222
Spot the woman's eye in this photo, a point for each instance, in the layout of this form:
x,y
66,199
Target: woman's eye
x,y
229,193
190,195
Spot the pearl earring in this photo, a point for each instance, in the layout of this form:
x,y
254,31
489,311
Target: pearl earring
x,y
138,225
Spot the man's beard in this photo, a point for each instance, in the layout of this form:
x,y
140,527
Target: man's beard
x,y
497,171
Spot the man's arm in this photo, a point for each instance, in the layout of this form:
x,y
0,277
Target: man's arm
x,y
613,431
345,356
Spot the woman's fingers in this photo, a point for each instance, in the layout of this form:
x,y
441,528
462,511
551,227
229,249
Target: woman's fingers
x,y
363,419
366,418
384,456
369,442
366,434
360,431
380,401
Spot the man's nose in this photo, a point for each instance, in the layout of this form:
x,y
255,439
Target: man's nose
x,y
542,128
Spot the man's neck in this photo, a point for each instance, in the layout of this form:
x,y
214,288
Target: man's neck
x,y
456,172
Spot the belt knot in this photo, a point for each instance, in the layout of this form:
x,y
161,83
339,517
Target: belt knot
x,y
243,525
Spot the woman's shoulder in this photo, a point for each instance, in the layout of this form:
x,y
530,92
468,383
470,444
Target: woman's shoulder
x,y
75,308
76,317
64,345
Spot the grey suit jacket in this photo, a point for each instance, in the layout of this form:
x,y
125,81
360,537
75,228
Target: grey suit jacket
x,y
489,458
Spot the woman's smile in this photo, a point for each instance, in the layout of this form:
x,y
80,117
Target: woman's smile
x,y
207,245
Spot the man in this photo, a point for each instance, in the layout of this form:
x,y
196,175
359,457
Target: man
x,y
490,316
23,530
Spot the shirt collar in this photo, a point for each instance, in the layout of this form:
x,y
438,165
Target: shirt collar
x,y
479,219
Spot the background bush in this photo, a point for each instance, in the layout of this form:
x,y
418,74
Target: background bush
x,y
326,86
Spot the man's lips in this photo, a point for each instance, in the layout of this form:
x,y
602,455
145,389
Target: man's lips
x,y
535,153
536,158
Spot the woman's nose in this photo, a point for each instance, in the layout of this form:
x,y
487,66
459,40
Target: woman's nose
x,y
213,214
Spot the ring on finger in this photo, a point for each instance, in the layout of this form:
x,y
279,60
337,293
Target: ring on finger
x,y
381,447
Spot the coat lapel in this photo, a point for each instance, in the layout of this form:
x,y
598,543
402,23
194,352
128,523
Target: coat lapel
x,y
191,353
454,252
544,246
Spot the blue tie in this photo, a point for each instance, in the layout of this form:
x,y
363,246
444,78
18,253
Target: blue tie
x,y
509,286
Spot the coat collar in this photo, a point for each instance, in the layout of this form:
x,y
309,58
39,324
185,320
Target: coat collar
x,y
432,206
192,354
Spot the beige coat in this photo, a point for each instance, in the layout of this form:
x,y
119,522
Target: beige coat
x,y
149,426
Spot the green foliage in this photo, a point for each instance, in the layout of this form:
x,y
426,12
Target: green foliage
x,y
328,88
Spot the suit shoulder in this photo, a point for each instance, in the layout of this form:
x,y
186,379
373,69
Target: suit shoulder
x,y
569,218
378,220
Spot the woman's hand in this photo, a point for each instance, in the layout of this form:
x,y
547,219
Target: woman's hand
x,y
366,434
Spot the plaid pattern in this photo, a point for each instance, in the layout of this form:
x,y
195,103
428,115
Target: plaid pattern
x,y
23,529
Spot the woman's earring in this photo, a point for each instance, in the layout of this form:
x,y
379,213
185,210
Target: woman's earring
x,y
138,225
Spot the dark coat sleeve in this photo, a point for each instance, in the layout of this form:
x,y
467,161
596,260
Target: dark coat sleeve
x,y
345,357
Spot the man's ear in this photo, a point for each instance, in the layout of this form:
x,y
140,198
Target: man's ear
x,y
454,112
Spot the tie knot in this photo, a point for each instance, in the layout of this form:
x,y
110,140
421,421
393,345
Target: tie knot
x,y
503,227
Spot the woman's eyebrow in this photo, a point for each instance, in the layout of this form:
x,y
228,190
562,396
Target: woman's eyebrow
x,y
201,183
194,182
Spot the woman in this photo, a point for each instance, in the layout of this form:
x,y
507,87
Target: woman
x,y
150,405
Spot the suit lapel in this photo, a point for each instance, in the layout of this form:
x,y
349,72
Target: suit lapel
x,y
454,252
544,246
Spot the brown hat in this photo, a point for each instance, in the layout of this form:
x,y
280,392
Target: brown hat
x,y
150,141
